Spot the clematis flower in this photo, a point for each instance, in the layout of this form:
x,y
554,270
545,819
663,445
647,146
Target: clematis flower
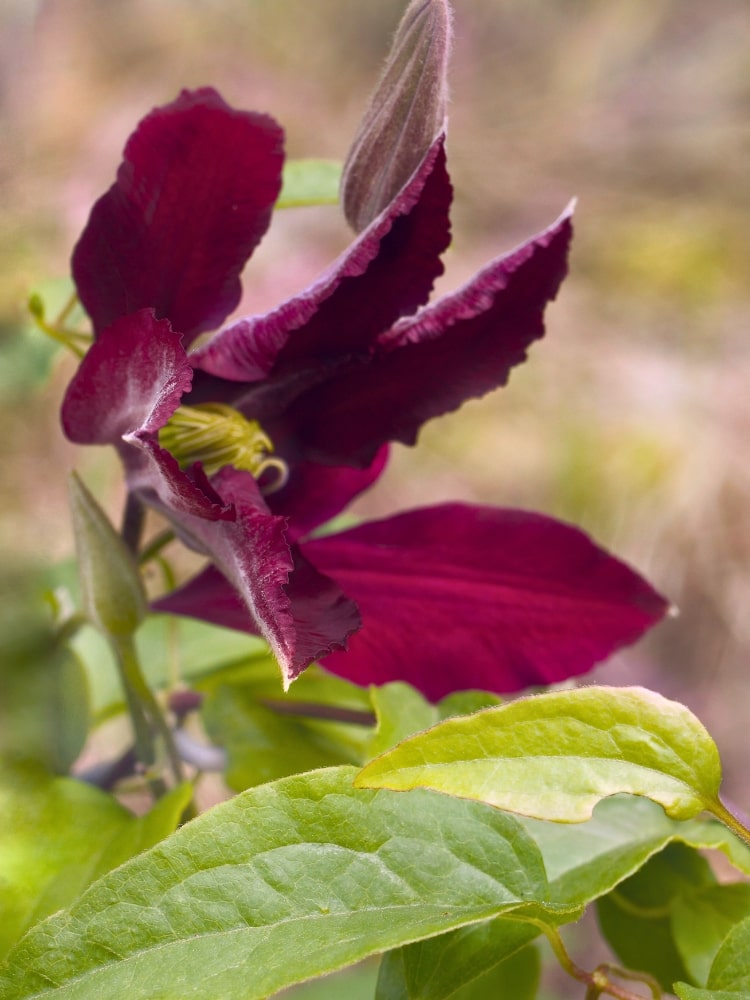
x,y
249,442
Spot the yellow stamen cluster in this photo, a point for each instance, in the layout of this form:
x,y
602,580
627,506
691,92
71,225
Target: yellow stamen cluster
x,y
217,435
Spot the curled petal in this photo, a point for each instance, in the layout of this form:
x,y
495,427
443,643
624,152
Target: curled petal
x,y
158,480
459,348
192,200
388,272
131,379
456,597
274,592
128,385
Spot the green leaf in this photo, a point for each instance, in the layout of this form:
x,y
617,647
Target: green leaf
x,y
59,835
636,917
702,920
441,966
466,703
309,182
586,861
517,977
729,978
731,967
401,711
555,755
287,881
583,863
262,744
44,710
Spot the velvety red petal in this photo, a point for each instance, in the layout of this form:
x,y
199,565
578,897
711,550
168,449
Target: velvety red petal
x,y
274,592
456,597
131,379
193,198
316,493
457,349
388,272
127,386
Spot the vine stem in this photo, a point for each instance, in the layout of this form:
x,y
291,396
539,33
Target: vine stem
x,y
598,981
154,547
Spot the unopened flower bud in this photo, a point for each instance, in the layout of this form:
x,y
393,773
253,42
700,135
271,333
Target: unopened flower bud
x,y
405,115
112,592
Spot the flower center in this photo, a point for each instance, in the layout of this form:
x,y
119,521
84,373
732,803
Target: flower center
x,y
217,435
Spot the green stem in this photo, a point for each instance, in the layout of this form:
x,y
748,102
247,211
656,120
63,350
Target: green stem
x,y
729,819
67,630
143,705
66,310
57,330
145,748
154,547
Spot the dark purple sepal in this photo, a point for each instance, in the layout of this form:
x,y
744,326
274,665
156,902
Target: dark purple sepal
x,y
274,592
455,597
387,273
459,348
192,200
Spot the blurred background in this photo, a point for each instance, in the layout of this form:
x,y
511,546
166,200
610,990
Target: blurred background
x,y
631,418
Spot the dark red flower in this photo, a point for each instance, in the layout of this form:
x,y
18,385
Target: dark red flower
x,y
249,442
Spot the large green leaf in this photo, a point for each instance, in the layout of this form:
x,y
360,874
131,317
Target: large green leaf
x,y
285,882
583,862
555,755
58,835
587,860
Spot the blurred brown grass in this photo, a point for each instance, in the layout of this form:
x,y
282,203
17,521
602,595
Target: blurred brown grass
x,y
632,418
